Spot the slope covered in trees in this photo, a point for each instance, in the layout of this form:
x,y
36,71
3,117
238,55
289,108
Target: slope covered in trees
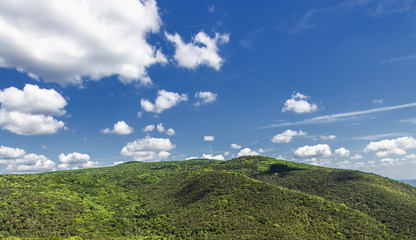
x,y
243,198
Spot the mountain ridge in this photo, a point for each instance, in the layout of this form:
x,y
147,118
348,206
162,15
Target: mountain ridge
x,y
249,197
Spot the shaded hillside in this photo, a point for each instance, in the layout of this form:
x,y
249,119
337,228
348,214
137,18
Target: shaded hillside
x,y
247,198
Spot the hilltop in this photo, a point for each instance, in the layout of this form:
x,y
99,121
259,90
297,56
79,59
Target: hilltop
x,y
244,198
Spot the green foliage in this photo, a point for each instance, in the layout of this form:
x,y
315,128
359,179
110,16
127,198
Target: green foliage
x,y
243,198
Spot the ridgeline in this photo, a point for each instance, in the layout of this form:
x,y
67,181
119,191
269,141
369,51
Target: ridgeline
x,y
249,197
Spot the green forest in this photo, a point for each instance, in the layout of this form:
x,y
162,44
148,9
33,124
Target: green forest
x,y
250,197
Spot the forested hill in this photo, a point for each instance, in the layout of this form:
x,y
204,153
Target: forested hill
x,y
243,198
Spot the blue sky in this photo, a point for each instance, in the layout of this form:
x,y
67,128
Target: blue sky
x,y
330,83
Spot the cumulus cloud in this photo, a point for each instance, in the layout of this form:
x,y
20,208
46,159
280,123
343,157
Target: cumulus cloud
x,y
8,152
170,132
356,157
120,128
320,150
341,152
211,156
16,160
73,40
394,151
148,149
329,137
75,160
209,138
203,50
235,146
317,161
287,136
117,163
390,162
31,111
149,128
164,100
205,97
247,152
392,145
298,104
160,128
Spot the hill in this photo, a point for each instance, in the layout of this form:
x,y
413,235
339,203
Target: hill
x,y
243,198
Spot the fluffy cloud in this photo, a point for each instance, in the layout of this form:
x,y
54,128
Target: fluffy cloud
x,y
17,160
170,132
149,128
209,156
390,147
8,152
356,157
320,150
341,152
394,151
75,160
30,111
247,152
329,137
203,50
160,128
120,128
287,136
390,162
205,97
317,162
298,104
389,144
74,40
209,138
164,100
148,149
235,146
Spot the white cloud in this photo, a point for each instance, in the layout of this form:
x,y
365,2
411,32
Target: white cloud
x,y
235,146
149,128
317,162
205,97
341,152
247,152
339,116
329,137
33,100
30,111
298,104
211,156
164,100
17,160
117,163
148,149
75,160
73,40
209,138
320,150
170,132
390,144
160,128
356,157
120,128
287,136
394,151
203,50
390,162
8,152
